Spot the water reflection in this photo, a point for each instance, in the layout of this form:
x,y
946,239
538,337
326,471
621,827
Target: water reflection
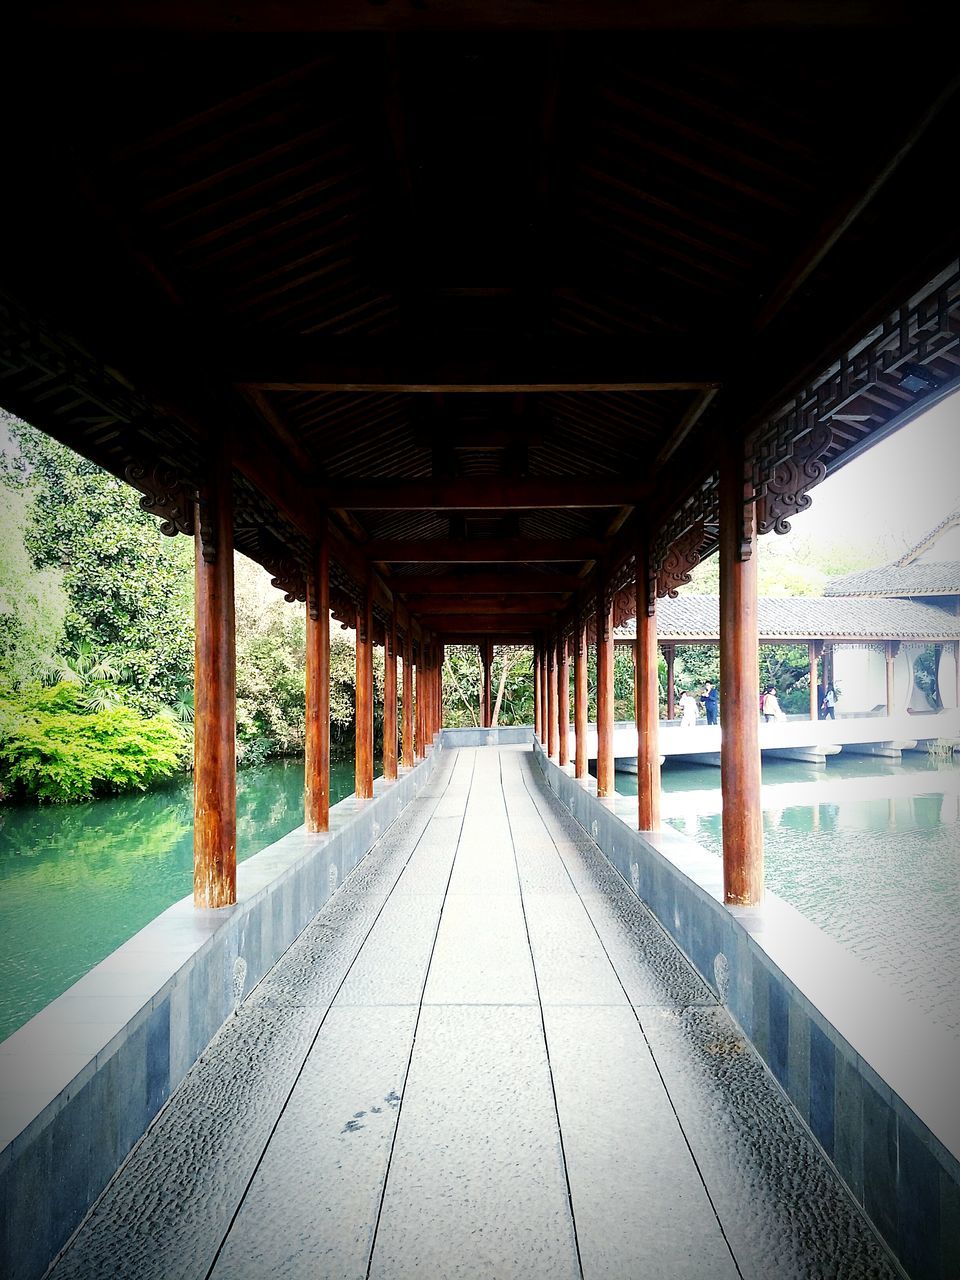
x,y
78,880
868,850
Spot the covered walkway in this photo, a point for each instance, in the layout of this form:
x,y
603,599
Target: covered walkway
x,y
482,1058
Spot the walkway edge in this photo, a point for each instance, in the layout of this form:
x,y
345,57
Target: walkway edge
x,y
81,1082
875,1084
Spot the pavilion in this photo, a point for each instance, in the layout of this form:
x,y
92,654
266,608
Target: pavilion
x,y
478,323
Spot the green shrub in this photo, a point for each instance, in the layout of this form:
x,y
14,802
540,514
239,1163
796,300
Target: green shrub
x,y
51,750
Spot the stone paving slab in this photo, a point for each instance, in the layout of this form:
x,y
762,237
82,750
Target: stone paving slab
x,y
483,1058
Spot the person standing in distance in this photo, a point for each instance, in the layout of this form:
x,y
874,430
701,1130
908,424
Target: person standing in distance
x,y
711,702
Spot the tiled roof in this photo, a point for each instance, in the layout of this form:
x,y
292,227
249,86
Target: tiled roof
x,y
917,579
697,618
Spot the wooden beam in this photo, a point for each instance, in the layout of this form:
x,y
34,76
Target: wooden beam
x,y
214,726
468,623
481,605
482,493
483,584
584,364
306,16
483,550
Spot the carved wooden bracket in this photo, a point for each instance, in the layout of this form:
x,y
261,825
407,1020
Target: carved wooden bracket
x,y
786,491
681,559
165,493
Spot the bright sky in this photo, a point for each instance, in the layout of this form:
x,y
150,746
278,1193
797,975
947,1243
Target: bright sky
x,y
889,497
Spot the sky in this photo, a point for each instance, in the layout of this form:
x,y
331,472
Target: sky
x,y
887,499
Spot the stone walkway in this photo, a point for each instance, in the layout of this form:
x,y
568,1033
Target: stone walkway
x,y
484,1059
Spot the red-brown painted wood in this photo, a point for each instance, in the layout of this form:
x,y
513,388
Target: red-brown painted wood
x,y
605,761
486,661
580,701
563,752
813,653
214,729
739,691
390,702
647,701
363,761
441,653
418,704
317,729
406,750
537,726
553,721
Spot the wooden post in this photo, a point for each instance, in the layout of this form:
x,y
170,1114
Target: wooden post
x,y
407,756
544,699
670,653
215,710
418,703
563,746
441,658
605,762
580,698
739,688
891,649
813,654
317,729
390,700
486,662
553,723
537,726
647,696
363,758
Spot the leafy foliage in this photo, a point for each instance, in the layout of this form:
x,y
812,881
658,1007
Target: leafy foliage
x,y
51,749
33,604
129,589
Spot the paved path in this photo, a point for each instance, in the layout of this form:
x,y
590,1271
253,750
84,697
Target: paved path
x,y
483,1058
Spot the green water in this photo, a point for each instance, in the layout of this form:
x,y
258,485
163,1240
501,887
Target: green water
x,y
78,880
869,850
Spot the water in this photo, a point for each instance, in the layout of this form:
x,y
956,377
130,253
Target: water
x,y
867,849
78,880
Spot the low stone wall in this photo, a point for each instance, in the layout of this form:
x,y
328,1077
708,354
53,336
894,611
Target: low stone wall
x,y
81,1081
512,736
875,1083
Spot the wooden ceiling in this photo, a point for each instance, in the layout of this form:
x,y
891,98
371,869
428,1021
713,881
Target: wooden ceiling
x,y
492,295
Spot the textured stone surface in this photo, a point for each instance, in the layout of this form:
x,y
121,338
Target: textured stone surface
x,y
482,1058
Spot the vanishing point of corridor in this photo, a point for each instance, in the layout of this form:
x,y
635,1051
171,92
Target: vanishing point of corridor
x,y
483,1058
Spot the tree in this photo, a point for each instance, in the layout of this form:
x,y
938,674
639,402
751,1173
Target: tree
x,y
33,604
128,588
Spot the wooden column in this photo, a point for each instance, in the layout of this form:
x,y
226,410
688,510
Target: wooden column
x,y
580,698
406,749
670,653
563,664
215,711
317,730
605,761
544,698
363,758
739,689
813,653
891,649
486,662
647,697
441,656
537,726
418,704
390,701
553,711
